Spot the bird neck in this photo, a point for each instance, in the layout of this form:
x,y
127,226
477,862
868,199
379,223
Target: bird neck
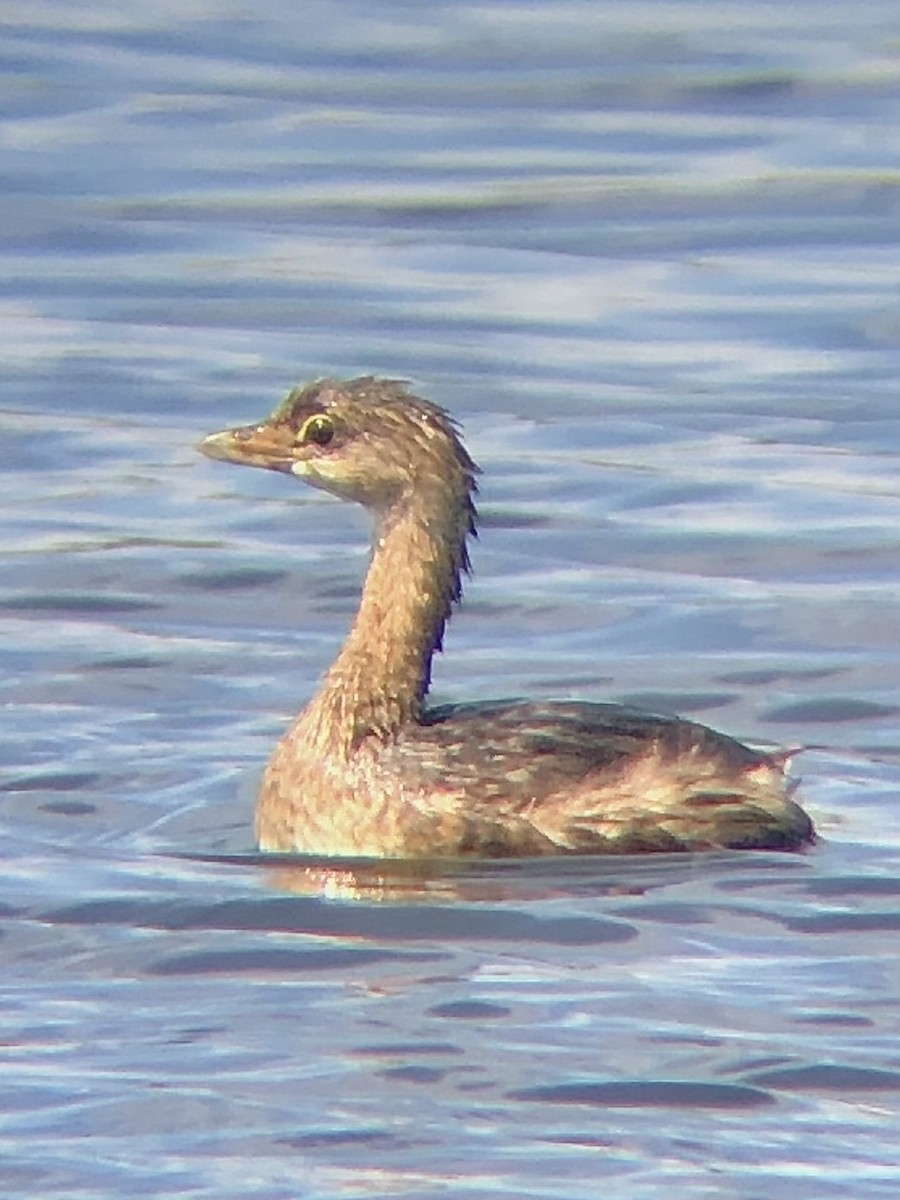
x,y
379,680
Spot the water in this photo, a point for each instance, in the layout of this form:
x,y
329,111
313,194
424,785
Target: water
x,y
648,255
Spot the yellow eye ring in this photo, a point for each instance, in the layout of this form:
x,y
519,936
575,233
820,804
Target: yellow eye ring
x,y
317,429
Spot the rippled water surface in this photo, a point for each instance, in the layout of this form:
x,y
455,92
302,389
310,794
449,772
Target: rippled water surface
x,y
648,254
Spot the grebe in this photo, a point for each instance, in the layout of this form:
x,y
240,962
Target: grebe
x,y
368,770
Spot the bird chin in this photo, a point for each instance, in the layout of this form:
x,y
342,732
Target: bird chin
x,y
309,472
304,470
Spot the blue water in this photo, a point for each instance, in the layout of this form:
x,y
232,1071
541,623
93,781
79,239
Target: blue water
x,y
648,255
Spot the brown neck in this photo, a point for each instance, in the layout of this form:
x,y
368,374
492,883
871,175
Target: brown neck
x,y
379,680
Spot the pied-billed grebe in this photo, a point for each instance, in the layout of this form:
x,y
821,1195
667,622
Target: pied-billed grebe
x,y
367,770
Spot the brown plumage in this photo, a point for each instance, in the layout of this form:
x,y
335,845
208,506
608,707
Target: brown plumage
x,y
366,769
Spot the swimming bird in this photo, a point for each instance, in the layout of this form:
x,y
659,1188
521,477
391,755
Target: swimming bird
x,y
368,769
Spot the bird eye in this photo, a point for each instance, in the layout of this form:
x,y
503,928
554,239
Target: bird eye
x,y
317,429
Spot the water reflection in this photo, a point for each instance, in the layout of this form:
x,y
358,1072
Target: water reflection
x,y
398,882
435,881
426,880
